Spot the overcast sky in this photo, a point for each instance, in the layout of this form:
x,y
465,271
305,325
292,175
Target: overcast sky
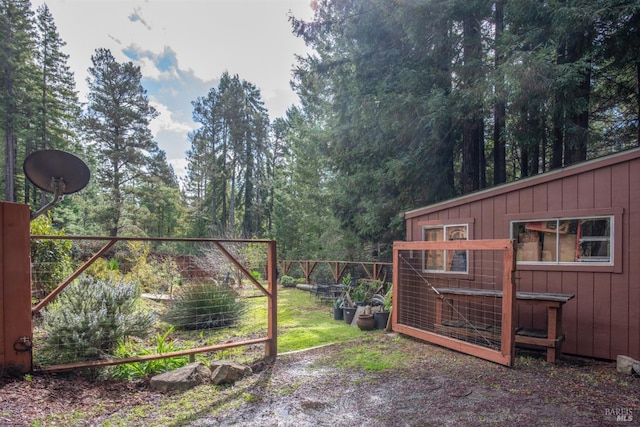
x,y
183,47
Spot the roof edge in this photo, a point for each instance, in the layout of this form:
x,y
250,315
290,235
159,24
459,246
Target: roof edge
x,y
599,162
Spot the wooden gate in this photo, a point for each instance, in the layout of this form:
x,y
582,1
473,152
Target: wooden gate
x,y
266,335
457,294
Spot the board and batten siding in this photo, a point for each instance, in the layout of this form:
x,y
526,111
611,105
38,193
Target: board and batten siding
x,y
603,320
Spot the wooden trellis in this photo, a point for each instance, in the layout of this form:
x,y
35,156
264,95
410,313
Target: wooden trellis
x,y
373,270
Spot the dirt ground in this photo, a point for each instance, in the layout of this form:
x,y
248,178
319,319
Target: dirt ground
x,y
431,386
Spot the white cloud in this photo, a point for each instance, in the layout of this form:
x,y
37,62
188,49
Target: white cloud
x,y
183,47
166,122
179,167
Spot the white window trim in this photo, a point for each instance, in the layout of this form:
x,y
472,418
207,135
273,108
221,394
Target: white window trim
x,y
612,226
444,228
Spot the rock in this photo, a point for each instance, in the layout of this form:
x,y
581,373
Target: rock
x,y
182,378
636,368
624,364
228,372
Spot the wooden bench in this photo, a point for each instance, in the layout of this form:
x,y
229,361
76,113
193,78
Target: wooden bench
x,y
551,338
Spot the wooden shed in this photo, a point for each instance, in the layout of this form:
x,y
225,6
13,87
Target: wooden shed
x,y
577,231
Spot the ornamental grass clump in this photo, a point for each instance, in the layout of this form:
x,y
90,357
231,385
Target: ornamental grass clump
x,y
88,319
203,305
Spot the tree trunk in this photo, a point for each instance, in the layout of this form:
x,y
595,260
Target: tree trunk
x,y
499,109
9,166
472,124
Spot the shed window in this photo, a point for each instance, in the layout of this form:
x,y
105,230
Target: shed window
x,y
445,261
565,240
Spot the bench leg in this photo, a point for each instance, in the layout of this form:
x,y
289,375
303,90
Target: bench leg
x,y
554,330
438,319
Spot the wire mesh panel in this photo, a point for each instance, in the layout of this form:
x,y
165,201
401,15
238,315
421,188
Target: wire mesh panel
x,y
109,301
457,294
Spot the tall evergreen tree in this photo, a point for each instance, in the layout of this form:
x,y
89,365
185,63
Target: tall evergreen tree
x,y
116,124
228,158
472,90
58,107
18,92
386,73
58,103
617,92
304,224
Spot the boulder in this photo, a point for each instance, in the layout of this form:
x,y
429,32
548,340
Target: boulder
x,y
624,364
636,369
182,378
224,372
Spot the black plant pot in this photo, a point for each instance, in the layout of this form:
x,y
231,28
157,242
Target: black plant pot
x,y
349,313
381,318
338,313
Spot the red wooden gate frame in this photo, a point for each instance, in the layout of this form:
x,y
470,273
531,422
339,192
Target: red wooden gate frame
x,y
505,355
270,292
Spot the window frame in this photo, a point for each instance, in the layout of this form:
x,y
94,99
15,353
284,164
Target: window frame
x,y
615,216
467,223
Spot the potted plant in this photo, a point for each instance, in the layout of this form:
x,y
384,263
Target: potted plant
x,y
348,310
338,307
346,280
348,307
359,294
382,317
366,321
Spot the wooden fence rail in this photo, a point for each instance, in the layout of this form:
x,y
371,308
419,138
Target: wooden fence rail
x,y
372,270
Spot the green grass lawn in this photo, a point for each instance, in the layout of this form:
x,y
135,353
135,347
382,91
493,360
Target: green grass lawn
x,y
305,322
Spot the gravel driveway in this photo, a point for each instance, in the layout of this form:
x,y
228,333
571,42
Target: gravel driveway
x,y
424,385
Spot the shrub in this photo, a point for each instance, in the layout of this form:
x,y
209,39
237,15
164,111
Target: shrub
x,y
144,369
204,306
157,275
104,270
88,318
288,281
51,258
136,265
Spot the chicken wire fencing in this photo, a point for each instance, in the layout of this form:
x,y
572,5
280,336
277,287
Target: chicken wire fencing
x,y
109,301
457,294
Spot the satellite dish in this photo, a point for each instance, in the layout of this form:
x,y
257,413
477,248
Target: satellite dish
x,y
56,172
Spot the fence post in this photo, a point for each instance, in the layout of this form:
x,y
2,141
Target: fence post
x,y
271,349
508,340
15,288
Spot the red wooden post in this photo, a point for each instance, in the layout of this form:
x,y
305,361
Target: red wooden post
x,y
271,349
15,288
508,342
